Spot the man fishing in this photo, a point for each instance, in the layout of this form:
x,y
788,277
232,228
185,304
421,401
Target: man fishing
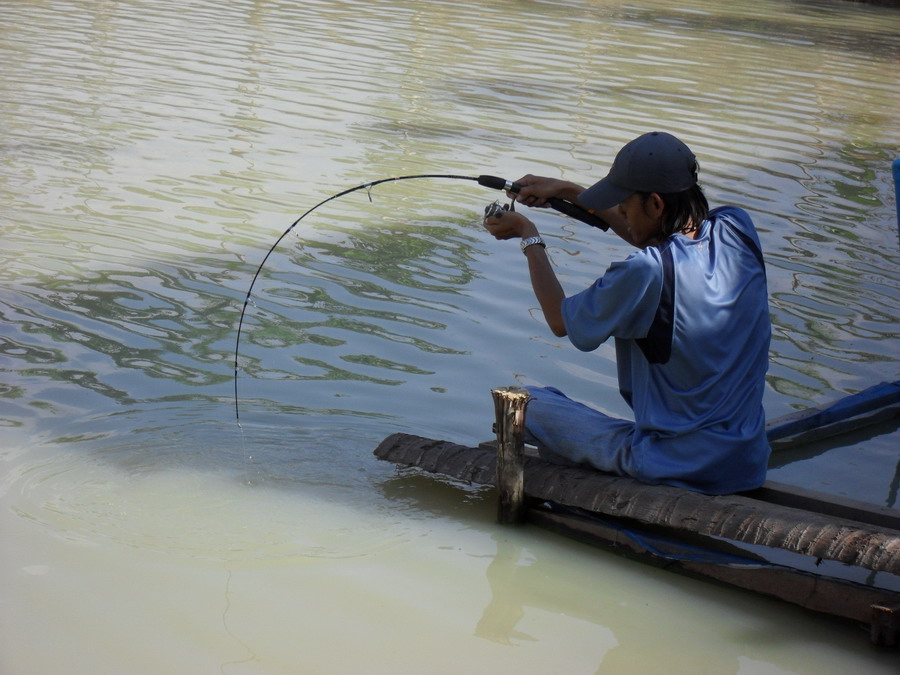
x,y
689,312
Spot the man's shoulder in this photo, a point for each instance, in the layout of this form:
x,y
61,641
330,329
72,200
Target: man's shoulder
x,y
742,231
643,261
640,271
735,214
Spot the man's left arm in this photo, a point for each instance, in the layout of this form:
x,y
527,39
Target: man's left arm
x,y
546,286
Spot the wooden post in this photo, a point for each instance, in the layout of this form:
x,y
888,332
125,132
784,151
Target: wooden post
x,y
885,626
509,409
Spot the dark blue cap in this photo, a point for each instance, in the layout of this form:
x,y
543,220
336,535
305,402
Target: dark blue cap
x,y
654,162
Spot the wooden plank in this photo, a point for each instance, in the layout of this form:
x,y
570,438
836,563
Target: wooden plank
x,y
728,516
451,459
823,503
826,504
734,517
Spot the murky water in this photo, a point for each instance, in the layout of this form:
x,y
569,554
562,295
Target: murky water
x,y
152,152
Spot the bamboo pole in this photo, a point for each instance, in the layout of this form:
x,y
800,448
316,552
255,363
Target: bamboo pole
x,y
509,411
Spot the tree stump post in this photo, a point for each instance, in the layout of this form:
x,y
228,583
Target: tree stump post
x,y
885,625
509,410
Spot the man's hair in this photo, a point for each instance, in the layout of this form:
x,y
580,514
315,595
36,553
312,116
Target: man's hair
x,y
684,211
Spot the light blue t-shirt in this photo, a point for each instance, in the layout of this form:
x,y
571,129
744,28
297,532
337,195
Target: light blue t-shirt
x,y
691,322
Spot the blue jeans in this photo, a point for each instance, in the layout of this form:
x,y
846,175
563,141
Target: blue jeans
x,y
570,433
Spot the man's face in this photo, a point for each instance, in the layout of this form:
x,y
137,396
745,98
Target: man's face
x,y
643,216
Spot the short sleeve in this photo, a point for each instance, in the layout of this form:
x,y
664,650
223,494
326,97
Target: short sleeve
x,y
622,303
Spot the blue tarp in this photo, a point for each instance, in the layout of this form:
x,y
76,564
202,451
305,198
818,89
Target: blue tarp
x,y
879,396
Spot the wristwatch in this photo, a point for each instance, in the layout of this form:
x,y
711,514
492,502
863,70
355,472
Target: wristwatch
x,y
530,241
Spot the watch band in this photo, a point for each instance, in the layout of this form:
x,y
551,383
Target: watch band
x,y
531,241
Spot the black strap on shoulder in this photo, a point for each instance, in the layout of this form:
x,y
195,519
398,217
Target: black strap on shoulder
x,y
657,346
748,241
743,236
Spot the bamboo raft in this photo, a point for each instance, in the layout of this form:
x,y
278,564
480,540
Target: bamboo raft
x,y
825,553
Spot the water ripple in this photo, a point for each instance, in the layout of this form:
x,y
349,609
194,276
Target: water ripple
x,y
153,152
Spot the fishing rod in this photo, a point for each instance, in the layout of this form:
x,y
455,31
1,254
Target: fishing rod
x,y
566,207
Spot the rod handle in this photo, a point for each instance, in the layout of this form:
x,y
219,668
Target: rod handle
x,y
566,207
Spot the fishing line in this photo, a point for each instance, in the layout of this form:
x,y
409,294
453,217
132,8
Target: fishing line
x,y
568,208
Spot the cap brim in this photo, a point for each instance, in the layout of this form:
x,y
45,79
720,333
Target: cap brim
x,y
603,195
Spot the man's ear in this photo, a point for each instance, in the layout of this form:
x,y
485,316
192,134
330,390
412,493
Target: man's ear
x,y
654,206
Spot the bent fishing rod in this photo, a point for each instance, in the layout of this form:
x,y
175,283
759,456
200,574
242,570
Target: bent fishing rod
x,y
566,207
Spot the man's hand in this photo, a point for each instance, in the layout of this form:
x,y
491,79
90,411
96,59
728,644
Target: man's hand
x,y
510,225
537,190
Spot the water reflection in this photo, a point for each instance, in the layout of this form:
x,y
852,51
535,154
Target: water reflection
x,y
518,584
419,113
622,628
